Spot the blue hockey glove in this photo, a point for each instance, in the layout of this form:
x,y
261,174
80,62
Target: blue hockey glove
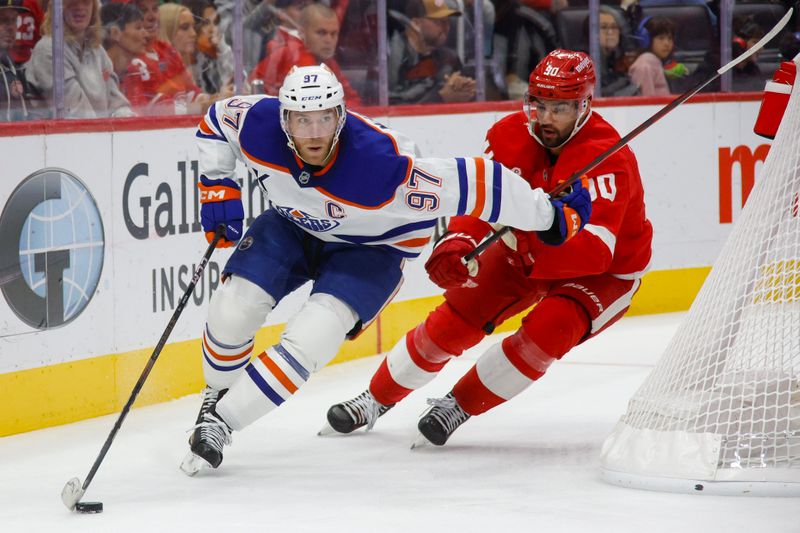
x,y
221,204
573,210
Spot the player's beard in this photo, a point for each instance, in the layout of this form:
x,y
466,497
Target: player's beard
x,y
551,137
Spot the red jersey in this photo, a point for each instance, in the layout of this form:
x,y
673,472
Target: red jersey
x,y
617,238
158,77
28,34
286,50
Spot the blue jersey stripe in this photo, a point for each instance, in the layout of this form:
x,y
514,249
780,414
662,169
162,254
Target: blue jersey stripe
x,y
268,391
294,363
394,232
464,188
212,115
212,137
224,368
497,191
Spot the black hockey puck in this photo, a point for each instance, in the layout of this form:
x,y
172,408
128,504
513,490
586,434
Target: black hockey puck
x,y
89,507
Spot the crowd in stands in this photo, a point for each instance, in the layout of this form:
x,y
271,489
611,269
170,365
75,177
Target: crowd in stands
x,y
147,57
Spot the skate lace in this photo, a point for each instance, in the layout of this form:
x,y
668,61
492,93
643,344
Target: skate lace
x,y
210,397
364,409
447,412
214,431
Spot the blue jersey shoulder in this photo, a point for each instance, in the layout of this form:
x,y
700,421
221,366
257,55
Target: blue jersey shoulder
x,y
261,136
368,168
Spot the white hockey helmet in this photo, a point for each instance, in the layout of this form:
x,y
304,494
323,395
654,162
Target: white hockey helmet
x,y
313,88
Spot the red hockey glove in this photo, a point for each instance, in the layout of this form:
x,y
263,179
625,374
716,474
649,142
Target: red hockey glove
x,y
221,203
445,266
573,209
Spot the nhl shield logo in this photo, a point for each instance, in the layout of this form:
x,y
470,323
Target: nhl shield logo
x,y
304,177
246,243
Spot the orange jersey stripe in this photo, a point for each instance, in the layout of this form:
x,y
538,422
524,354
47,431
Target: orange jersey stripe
x,y
278,373
480,187
411,243
220,357
204,127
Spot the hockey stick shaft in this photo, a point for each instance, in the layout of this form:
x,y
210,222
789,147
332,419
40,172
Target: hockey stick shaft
x,y
156,352
561,187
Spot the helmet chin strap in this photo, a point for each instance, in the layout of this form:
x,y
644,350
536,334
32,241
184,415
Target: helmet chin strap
x,y
582,119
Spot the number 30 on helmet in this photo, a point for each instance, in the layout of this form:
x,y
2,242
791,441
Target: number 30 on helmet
x,y
563,75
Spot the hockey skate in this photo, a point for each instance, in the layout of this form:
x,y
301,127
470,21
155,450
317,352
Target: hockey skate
x,y
346,417
209,434
441,420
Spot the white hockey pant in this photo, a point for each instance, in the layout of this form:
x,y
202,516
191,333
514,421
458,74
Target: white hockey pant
x,y
311,339
236,311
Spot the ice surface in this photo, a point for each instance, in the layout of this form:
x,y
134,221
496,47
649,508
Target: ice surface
x,y
529,465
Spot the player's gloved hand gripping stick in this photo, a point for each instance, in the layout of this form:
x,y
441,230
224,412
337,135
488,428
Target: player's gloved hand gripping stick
x,y
73,491
221,205
640,128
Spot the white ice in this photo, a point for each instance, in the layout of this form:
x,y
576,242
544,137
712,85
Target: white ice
x,y
529,465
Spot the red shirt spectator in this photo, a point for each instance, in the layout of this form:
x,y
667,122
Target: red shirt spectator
x,y
287,48
159,77
28,34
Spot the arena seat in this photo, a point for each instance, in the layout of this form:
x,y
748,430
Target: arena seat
x,y
694,37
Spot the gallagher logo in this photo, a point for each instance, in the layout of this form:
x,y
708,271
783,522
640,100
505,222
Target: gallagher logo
x,y
305,220
51,245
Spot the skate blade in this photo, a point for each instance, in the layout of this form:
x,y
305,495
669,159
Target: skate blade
x,y
421,442
327,430
192,464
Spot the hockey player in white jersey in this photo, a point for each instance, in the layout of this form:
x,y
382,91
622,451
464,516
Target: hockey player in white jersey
x,y
349,202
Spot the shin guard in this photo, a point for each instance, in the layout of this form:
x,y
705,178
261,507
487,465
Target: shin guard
x,y
417,358
268,381
549,331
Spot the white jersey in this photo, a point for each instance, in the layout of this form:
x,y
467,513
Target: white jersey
x,y
374,190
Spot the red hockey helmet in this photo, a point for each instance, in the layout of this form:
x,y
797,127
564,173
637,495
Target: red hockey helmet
x,y
563,75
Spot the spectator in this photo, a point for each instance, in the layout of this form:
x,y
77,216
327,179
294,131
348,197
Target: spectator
x,y
747,75
285,49
176,26
29,26
212,62
90,84
524,35
421,68
259,26
124,37
320,33
789,46
613,41
163,83
358,37
547,5
13,87
654,64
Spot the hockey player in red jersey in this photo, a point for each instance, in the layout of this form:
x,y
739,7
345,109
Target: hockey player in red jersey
x,y
578,289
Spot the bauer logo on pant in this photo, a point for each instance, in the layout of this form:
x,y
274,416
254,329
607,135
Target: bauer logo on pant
x,y
51,242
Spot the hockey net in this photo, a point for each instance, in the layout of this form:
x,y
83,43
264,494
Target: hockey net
x,y
720,412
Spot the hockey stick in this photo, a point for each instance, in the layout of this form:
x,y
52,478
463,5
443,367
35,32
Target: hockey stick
x,y
73,491
561,187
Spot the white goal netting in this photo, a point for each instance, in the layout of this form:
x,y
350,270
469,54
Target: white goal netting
x,y
720,413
